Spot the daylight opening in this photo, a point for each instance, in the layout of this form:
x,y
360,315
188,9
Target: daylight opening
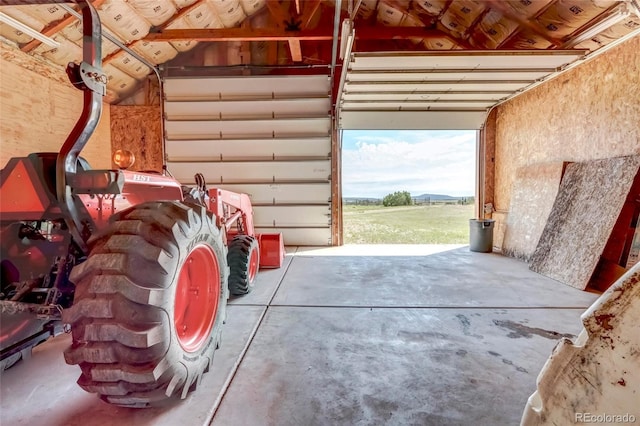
x,y
408,186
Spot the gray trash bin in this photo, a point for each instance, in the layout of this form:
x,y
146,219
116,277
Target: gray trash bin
x,y
481,235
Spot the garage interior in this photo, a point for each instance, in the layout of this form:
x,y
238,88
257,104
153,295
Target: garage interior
x,y
254,94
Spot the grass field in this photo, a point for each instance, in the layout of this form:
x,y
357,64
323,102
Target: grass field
x,y
436,224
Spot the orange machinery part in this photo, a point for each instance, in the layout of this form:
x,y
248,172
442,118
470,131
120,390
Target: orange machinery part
x,y
271,250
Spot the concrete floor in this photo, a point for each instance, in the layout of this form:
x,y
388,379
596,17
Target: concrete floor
x,y
420,335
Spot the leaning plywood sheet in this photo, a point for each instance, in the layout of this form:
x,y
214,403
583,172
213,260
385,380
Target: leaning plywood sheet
x,y
595,379
534,192
589,201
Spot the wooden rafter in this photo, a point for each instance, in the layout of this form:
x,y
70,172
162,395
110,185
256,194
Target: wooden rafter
x,y
55,27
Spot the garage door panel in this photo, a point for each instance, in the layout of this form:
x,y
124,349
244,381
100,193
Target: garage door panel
x,y
424,96
274,171
412,120
244,87
199,129
268,137
467,60
278,193
287,216
432,87
530,76
220,149
438,90
251,109
407,106
301,236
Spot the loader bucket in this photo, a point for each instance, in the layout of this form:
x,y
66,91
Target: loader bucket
x,y
271,250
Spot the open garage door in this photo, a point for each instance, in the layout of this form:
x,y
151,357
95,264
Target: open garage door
x,y
451,90
268,137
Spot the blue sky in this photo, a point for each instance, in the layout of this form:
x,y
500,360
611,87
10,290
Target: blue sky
x,y
376,163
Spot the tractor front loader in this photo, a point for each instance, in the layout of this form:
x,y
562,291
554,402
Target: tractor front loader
x,y
136,264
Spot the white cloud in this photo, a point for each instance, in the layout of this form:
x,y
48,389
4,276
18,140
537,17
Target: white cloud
x,y
375,164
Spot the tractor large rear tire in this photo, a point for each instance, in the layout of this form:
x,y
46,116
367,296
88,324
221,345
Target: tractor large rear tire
x,y
149,305
243,259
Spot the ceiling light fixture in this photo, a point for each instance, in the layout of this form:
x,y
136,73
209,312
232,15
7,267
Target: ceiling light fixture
x,y
28,30
620,13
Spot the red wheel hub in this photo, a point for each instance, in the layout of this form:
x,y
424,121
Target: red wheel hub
x,y
253,264
197,295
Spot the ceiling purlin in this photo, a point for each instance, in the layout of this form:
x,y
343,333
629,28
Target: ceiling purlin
x,y
55,27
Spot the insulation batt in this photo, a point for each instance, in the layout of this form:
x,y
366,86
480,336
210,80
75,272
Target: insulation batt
x,y
157,12
526,8
252,6
47,13
181,4
389,15
67,52
157,52
439,44
118,81
73,32
432,7
566,16
127,63
460,15
492,30
182,46
367,8
122,20
230,12
202,16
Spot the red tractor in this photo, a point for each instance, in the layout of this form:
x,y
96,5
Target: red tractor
x,y
138,265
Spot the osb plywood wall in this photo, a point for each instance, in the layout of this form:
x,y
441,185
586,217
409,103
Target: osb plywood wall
x,y
591,112
534,193
584,213
138,129
38,109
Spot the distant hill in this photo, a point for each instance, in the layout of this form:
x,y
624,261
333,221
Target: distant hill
x,y
421,197
436,197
